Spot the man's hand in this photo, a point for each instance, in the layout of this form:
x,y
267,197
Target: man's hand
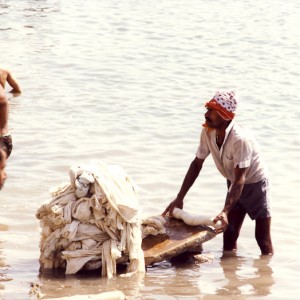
x,y
191,175
224,222
178,202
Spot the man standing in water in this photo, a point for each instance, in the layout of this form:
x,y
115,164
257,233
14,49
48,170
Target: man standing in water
x,y
5,139
236,155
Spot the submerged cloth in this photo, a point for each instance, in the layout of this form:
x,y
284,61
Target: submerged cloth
x,y
225,103
238,149
6,141
91,222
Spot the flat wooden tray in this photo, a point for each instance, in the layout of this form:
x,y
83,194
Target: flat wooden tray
x,y
179,238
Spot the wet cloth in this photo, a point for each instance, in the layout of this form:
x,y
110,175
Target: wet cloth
x,y
238,149
6,140
92,221
155,225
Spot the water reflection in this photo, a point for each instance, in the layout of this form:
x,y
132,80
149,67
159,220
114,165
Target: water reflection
x,y
57,284
3,265
172,279
166,280
246,276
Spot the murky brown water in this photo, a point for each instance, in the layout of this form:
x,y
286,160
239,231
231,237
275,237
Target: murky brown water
x,y
124,83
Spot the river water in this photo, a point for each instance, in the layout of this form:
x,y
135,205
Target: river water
x,y
124,82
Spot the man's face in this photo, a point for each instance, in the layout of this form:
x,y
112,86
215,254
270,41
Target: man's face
x,y
213,119
2,168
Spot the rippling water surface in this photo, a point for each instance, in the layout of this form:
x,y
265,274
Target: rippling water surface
x,y
124,82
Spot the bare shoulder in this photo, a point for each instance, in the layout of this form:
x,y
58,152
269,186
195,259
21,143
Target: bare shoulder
x,y
7,76
4,72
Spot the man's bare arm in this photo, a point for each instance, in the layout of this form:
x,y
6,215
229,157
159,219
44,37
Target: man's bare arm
x,y
190,177
236,189
233,195
12,81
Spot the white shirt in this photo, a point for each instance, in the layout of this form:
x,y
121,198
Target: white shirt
x,y
238,149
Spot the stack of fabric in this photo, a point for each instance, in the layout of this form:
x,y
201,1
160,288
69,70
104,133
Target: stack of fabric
x,y
91,222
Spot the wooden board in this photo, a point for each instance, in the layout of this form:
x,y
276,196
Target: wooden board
x,y
179,238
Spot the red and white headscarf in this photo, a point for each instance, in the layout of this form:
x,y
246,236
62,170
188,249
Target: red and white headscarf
x,y
225,103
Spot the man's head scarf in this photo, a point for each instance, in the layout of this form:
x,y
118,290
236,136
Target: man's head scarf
x,y
225,103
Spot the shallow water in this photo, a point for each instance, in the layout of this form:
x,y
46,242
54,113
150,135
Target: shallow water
x,y
124,83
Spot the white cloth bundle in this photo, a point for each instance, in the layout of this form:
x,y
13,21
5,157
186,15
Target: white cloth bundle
x,y
94,217
154,225
193,219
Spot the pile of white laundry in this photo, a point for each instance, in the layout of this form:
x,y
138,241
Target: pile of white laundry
x,y
92,222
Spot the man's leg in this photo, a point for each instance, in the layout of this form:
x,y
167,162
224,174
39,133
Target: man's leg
x,y
235,220
263,236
